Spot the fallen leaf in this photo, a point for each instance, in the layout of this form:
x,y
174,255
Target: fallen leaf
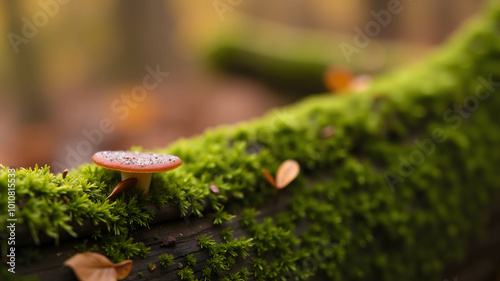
x,y
337,79
214,189
152,267
123,269
64,173
96,267
287,172
122,186
269,177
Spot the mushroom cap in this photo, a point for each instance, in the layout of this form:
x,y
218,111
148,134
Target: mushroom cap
x,y
136,162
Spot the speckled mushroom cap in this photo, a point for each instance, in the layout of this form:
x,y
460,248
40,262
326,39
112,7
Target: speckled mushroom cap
x,y
136,162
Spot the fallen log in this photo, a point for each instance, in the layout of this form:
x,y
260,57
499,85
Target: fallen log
x,y
397,188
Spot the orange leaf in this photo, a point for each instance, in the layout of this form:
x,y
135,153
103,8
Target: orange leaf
x,y
122,186
123,269
287,172
96,267
269,178
337,79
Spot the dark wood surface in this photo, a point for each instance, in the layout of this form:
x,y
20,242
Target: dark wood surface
x,y
185,230
482,262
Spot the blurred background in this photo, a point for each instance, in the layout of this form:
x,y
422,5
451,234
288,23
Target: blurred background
x,y
71,71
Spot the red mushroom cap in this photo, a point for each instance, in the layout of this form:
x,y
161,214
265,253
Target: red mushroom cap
x,y
136,162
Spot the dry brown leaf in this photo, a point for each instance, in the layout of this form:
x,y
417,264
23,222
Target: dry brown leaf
x,y
123,269
96,267
64,173
269,177
287,172
122,186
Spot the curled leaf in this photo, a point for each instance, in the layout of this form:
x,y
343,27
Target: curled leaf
x,y
122,186
287,172
152,267
123,269
269,177
96,267
64,173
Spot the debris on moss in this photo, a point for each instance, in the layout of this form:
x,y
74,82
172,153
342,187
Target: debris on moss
x,y
151,267
168,242
287,172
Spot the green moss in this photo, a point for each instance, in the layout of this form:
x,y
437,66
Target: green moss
x,y
289,67
354,224
121,247
83,247
226,234
166,260
241,275
190,260
186,274
221,216
222,256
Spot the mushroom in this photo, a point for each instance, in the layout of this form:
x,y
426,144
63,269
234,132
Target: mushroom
x,y
138,165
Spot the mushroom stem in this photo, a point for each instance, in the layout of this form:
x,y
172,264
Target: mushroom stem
x,y
143,180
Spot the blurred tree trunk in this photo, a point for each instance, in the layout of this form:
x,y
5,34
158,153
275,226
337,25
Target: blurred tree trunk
x,y
24,74
146,29
389,31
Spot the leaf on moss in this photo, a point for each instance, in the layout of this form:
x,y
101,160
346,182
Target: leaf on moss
x,y
287,172
96,267
269,177
337,79
64,173
122,186
214,189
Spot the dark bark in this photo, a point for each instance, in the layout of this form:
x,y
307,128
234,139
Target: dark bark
x,y
481,262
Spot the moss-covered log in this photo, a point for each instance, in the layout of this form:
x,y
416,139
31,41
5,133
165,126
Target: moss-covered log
x,y
395,181
294,60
